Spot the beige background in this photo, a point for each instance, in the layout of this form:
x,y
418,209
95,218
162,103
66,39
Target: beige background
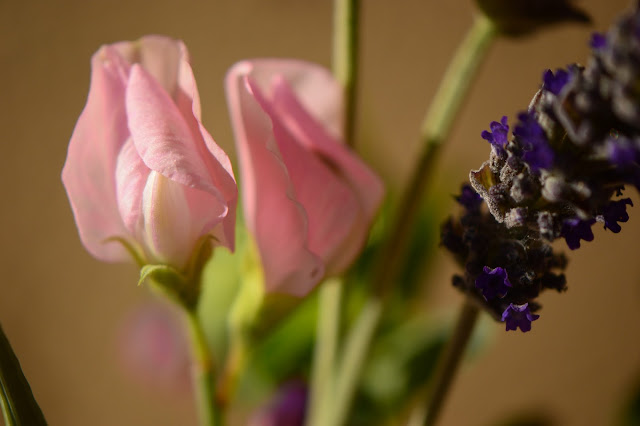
x,y
62,309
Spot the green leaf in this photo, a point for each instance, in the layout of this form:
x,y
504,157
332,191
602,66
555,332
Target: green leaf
x,y
18,404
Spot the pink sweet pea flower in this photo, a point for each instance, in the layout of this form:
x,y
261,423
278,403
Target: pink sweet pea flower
x,y
308,200
141,168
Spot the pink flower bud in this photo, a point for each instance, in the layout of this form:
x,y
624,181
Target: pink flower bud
x,y
154,350
141,168
308,200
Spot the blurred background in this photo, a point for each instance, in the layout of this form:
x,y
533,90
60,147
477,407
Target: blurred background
x,y
64,312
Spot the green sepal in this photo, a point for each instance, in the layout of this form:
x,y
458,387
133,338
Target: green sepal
x,y
171,283
19,407
133,249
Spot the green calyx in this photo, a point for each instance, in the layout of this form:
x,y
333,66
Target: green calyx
x,y
180,286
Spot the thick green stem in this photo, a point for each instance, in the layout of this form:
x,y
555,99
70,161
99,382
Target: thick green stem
x,y
209,412
323,372
354,353
435,130
447,367
345,58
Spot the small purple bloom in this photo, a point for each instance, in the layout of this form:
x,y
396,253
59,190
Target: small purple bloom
x,y
493,282
497,137
574,229
519,316
598,41
288,408
621,151
614,212
469,198
533,140
555,82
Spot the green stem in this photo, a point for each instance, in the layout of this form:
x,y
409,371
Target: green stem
x,y
435,130
447,366
345,58
323,373
209,412
350,366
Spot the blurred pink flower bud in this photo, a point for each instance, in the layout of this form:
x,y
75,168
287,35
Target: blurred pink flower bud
x,y
140,167
308,200
154,350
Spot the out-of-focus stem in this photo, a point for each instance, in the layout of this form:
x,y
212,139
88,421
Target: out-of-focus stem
x,y
353,357
435,130
209,413
346,19
323,369
447,367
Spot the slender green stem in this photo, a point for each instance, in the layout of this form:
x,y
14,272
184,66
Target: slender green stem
x,y
435,130
447,366
346,20
350,365
236,360
209,412
323,372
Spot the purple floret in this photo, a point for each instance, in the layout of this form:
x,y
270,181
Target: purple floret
x,y
287,409
622,152
537,152
498,135
598,41
574,230
555,82
493,282
616,211
469,198
519,316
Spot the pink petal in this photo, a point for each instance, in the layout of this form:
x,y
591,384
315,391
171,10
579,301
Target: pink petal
x,y
314,86
166,144
331,206
89,171
364,184
131,179
216,160
167,224
280,224
159,55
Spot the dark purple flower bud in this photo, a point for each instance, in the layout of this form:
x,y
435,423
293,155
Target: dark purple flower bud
x,y
575,229
469,198
555,82
518,316
598,41
537,152
614,212
493,282
497,137
288,408
520,17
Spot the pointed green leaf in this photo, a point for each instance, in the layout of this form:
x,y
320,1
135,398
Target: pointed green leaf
x,y
18,404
